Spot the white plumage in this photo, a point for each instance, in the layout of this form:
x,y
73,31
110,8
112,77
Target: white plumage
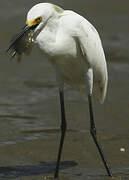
x,y
73,46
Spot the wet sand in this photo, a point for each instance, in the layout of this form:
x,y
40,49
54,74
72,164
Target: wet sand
x,y
29,103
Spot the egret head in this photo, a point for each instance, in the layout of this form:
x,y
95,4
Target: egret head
x,y
39,15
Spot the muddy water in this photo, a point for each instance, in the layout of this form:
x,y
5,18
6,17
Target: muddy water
x,y
29,103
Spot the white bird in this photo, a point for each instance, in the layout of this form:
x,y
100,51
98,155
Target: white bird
x,y
73,47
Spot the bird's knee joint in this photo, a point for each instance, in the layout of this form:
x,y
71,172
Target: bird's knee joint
x,y
93,131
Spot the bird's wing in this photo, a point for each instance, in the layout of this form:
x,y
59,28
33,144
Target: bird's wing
x,y
93,54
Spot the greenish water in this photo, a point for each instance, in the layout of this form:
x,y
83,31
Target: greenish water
x,y
29,102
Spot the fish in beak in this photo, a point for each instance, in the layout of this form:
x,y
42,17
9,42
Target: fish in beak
x,y
22,42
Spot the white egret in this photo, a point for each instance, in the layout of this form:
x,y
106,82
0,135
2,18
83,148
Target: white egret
x,y
73,46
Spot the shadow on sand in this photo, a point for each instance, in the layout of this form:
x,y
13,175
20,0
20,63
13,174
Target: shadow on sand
x,y
33,170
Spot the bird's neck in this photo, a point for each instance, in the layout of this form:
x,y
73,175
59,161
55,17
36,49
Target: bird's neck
x,y
47,37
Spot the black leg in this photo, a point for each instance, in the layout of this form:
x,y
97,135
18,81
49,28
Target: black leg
x,y
93,133
63,130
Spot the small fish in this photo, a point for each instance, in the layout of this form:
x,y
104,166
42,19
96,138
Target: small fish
x,y
21,43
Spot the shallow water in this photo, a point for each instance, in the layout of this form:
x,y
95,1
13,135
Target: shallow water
x,y
29,103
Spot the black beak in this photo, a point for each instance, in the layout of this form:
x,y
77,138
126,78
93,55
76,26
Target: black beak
x,y
20,35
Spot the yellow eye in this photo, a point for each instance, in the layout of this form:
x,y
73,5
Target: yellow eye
x,y
38,20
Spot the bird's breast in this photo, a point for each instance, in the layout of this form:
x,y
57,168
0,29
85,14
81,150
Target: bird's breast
x,y
56,42
64,55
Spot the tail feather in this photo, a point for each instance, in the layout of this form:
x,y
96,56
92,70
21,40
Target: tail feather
x,y
100,90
